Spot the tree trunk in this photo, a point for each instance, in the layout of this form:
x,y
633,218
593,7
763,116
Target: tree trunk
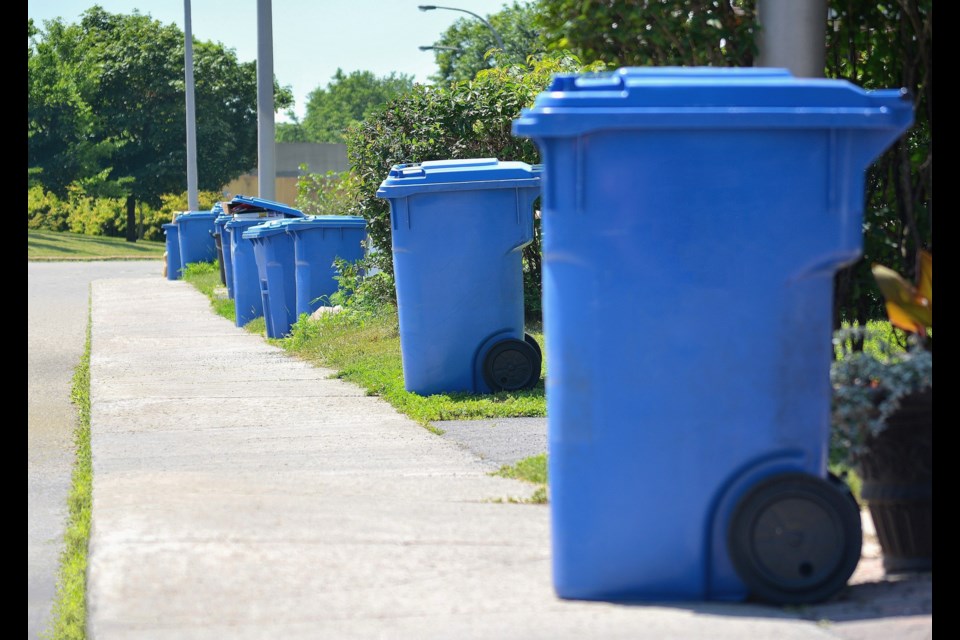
x,y
131,219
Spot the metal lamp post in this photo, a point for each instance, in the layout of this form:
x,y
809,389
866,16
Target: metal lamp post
x,y
431,7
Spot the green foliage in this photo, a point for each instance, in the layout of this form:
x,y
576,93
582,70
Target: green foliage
x,y
347,99
324,194
468,119
869,386
622,33
81,212
106,108
360,293
470,42
881,45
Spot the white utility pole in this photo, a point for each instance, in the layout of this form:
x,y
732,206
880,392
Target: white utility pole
x,y
193,200
793,36
266,137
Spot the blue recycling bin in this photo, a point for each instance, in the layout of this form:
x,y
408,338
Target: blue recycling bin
x,y
173,250
246,212
458,230
273,252
197,243
693,220
317,241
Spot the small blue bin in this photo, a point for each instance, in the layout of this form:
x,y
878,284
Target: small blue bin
x,y
317,241
173,250
458,229
693,221
197,243
273,251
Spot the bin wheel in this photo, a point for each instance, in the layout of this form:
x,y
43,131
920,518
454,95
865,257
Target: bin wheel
x,y
530,340
511,365
795,538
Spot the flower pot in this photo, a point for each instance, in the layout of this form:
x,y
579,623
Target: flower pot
x,y
897,485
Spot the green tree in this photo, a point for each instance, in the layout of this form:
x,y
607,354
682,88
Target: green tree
x,y
652,32
879,45
468,41
347,99
115,85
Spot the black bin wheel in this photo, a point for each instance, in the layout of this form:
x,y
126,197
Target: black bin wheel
x,y
795,538
511,365
530,340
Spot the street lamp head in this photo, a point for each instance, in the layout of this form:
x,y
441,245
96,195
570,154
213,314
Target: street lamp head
x,y
426,7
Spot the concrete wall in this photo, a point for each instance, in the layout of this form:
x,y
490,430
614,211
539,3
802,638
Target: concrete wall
x,y
319,158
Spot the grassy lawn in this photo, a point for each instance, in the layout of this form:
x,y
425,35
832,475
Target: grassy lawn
x,y
52,245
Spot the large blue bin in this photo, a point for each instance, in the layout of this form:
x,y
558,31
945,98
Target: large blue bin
x,y
273,252
317,241
247,212
173,250
197,243
693,220
458,229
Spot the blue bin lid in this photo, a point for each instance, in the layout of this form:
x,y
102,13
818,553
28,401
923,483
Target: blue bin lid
x,y
265,229
197,215
708,97
240,223
458,175
249,204
169,225
326,222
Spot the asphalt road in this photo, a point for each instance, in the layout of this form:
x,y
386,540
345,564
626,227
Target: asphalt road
x,y
57,307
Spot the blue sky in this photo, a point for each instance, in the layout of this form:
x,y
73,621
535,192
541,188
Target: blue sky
x,y
311,38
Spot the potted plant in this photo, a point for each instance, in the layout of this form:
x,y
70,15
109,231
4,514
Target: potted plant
x,y
882,419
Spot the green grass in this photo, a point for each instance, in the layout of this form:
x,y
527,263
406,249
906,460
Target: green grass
x,y
532,469
52,245
69,615
364,348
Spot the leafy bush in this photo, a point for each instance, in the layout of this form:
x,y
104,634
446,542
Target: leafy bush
x,y
324,194
466,119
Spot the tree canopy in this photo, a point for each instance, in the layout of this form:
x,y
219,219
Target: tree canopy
x,y
106,107
346,100
463,47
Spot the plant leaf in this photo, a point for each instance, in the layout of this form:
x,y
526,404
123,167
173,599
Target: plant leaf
x,y
906,307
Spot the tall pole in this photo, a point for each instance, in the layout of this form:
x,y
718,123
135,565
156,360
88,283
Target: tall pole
x,y
793,36
266,137
193,199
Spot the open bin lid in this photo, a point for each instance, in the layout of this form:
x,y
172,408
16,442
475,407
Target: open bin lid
x,y
708,97
458,175
248,204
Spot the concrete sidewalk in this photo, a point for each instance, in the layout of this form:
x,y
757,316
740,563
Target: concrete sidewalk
x,y
241,493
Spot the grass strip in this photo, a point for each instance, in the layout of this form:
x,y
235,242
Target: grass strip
x,y
69,612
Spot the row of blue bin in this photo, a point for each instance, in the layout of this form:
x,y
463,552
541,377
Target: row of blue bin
x,y
275,261
693,220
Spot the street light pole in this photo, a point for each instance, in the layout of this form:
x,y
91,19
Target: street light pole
x,y
431,7
266,138
193,201
438,47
